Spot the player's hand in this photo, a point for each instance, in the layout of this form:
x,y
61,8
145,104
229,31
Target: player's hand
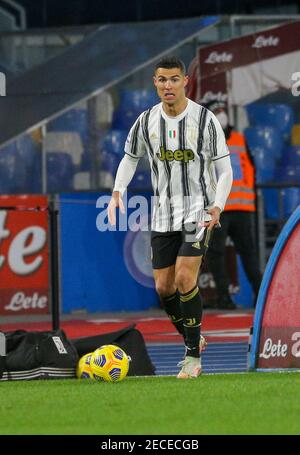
x,y
116,201
214,213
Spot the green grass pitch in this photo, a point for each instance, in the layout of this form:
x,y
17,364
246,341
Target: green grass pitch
x,y
230,404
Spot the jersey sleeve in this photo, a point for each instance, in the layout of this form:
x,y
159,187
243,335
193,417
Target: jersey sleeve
x,y
224,172
215,139
135,145
125,172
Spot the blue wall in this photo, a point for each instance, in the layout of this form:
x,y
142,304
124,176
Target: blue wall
x,y
99,270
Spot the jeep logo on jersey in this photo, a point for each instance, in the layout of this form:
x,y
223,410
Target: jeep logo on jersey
x,y
179,155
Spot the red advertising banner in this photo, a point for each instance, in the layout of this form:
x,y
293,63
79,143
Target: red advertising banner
x,y
214,88
210,70
224,56
279,339
279,347
24,255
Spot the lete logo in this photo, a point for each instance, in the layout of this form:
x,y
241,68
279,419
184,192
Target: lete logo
x,y
262,41
20,301
214,57
212,96
27,242
280,349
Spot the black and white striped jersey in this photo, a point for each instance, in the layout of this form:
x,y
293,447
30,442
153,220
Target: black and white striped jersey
x,y
181,152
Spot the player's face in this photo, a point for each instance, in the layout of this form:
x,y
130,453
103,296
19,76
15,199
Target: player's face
x,y
170,84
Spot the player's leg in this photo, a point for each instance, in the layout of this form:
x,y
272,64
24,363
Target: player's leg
x,y
186,278
188,264
164,253
169,297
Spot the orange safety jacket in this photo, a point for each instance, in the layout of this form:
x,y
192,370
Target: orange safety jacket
x,y
242,195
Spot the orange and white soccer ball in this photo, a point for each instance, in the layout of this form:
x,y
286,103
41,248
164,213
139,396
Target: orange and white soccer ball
x,y
109,363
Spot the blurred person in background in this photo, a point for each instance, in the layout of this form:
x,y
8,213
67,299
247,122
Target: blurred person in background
x,y
185,145
238,218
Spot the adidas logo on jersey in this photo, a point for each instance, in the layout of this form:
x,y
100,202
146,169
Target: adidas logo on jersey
x,y
179,155
196,245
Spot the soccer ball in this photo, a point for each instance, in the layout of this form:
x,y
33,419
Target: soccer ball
x,y
83,370
109,363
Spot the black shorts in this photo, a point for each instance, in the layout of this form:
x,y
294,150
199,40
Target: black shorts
x,y
166,246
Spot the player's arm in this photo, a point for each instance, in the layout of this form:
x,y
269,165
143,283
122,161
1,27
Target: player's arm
x,y
125,172
224,172
221,159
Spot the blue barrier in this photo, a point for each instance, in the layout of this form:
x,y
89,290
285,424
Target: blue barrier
x,y
102,271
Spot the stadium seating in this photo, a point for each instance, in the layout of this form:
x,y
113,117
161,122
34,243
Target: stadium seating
x,y
132,103
18,162
265,145
264,164
114,141
8,168
138,100
264,171
291,156
279,116
288,174
74,120
59,172
271,203
291,199
141,181
29,153
290,196
109,161
68,142
123,119
82,181
265,137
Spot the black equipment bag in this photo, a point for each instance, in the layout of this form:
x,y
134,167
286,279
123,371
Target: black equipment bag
x,y
38,355
130,340
51,355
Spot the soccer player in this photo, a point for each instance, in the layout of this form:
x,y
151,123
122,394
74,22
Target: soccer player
x,y
191,178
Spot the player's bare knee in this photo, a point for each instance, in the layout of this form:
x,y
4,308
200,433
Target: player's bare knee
x,y
184,281
164,289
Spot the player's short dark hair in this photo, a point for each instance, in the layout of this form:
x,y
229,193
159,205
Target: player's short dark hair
x,y
171,62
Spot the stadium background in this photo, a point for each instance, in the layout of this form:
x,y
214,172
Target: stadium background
x,y
76,78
